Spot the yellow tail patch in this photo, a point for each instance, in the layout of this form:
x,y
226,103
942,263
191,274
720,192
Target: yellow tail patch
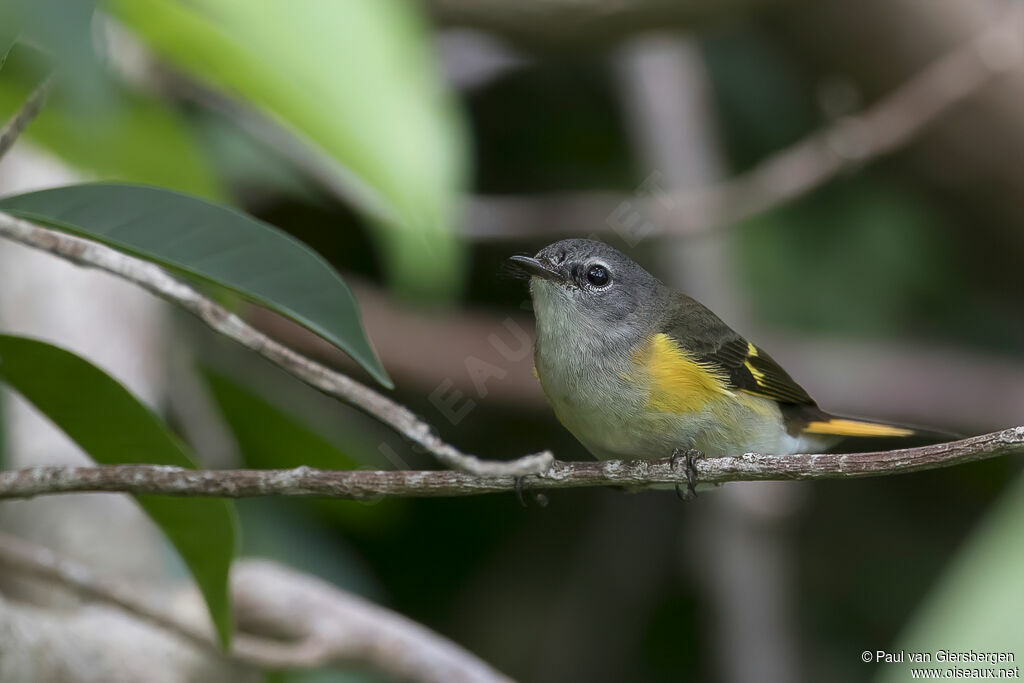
x,y
678,384
841,427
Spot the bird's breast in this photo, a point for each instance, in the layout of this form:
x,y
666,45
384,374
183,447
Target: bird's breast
x,y
586,386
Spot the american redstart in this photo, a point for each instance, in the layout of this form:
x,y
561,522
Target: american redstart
x,y
636,369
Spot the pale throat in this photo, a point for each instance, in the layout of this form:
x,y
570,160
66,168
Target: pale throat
x,y
570,341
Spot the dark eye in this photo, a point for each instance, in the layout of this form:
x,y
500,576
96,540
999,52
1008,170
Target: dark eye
x,y
598,276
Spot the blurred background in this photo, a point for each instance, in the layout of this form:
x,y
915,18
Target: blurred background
x,y
842,182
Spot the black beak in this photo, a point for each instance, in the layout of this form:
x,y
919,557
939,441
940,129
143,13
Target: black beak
x,y
537,268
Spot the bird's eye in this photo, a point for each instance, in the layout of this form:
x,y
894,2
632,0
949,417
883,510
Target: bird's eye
x,y
598,276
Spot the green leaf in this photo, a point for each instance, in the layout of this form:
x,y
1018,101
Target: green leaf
x,y
113,428
215,244
355,79
269,437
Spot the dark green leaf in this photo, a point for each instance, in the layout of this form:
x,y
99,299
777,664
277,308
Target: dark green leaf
x,y
113,427
270,437
213,243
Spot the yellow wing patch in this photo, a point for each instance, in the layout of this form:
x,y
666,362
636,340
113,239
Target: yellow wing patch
x,y
759,376
841,427
678,383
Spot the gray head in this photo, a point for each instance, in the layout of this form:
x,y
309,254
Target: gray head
x,y
589,286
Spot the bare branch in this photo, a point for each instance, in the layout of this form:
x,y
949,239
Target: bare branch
x,y
852,141
33,105
27,558
318,624
334,627
342,387
372,485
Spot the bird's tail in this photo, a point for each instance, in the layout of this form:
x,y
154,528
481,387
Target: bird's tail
x,y
852,430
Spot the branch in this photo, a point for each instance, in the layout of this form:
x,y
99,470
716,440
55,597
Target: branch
x,y
318,625
852,141
373,485
33,105
332,383
27,558
334,628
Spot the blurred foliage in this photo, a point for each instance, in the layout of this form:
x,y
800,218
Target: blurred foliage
x,y
765,101
113,427
3,431
62,30
859,256
578,143
871,551
977,603
133,137
872,253
251,168
361,87
8,34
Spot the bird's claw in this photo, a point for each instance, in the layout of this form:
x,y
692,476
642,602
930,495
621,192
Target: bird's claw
x,y
538,497
519,491
690,455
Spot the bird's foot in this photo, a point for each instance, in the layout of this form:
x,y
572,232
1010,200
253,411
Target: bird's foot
x,y
537,496
690,457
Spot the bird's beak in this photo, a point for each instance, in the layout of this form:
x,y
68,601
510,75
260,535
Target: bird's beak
x,y
537,268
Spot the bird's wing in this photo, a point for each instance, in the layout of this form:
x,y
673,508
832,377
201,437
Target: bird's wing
x,y
733,363
754,371
713,344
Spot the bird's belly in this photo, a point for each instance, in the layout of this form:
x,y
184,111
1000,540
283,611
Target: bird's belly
x,y
609,435
628,428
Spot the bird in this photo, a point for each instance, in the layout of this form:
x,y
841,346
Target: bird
x,y
635,369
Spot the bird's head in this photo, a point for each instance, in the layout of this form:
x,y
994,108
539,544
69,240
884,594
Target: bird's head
x,y
589,285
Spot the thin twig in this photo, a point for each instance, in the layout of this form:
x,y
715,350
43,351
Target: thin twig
x,y
155,280
14,128
323,625
373,485
852,141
